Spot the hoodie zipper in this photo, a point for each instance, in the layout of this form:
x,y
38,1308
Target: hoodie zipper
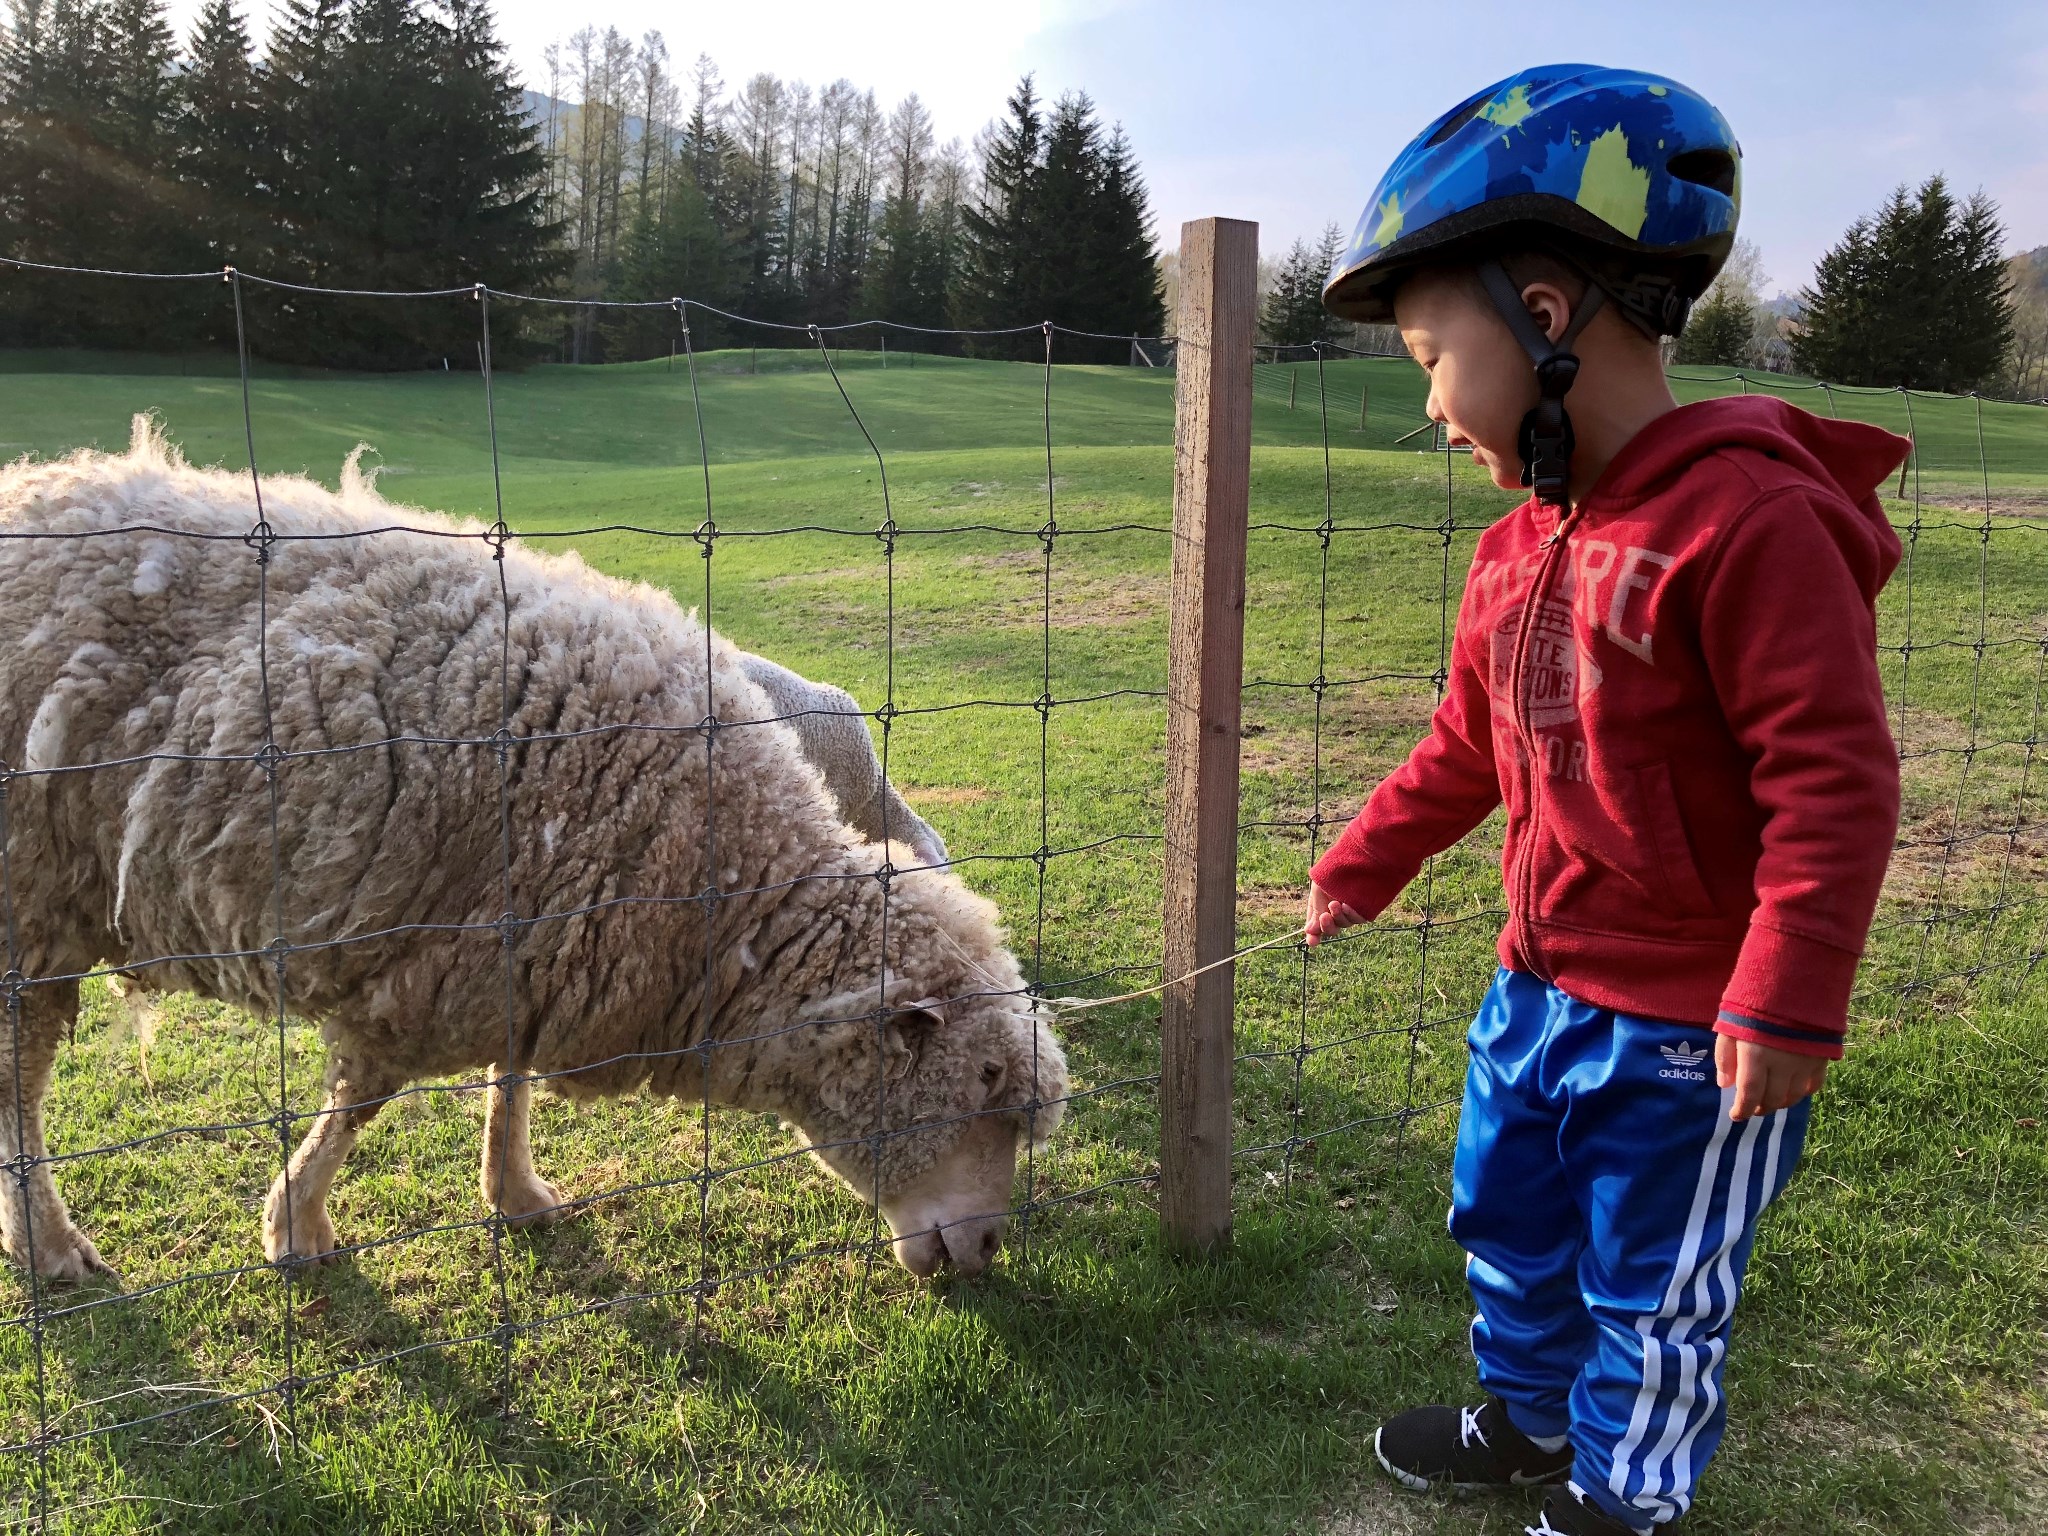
x,y
1539,593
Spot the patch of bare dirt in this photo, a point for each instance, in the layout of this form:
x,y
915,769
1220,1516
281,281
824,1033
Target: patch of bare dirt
x,y
1969,501
1376,1507
1264,901
1008,591
1948,845
1361,728
1016,597
832,576
944,794
1940,856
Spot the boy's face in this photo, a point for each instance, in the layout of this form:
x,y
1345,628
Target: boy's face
x,y
1480,381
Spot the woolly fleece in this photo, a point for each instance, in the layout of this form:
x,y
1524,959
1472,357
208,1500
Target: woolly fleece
x,y
132,597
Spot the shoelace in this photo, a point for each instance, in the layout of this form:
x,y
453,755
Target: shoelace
x,y
1542,1527
1469,1430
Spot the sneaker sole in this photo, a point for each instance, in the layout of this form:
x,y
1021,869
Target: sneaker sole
x,y
1417,1484
1407,1480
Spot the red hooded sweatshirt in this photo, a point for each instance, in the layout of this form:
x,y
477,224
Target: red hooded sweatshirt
x,y
1686,724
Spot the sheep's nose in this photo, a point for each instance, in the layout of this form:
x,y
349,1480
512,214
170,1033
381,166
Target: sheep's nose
x,y
973,1245
922,1253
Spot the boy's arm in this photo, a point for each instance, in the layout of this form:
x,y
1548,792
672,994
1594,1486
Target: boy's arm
x,y
1791,646
1445,789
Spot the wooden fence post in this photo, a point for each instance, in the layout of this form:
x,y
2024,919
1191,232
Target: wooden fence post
x,y
1219,264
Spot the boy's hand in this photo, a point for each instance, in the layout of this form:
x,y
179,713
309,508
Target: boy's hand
x,y
1766,1079
1326,915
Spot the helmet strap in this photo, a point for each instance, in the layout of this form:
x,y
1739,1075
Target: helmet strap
x,y
1546,440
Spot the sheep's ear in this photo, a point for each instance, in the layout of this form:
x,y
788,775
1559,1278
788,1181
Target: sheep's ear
x,y
849,1084
903,1038
994,1073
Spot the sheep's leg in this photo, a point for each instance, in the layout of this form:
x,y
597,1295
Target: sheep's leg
x,y
507,1181
34,1226
906,826
295,1216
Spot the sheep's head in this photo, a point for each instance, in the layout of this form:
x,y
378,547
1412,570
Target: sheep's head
x,y
921,1104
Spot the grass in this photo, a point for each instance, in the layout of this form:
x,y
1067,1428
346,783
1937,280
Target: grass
x,y
1891,1371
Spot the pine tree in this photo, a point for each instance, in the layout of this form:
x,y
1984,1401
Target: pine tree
x,y
1002,225
1293,314
483,168
1718,333
1915,295
672,249
402,158
1062,282
141,83
302,111
1977,322
142,226
24,65
218,138
1061,233
1125,257
86,109
48,68
900,279
946,249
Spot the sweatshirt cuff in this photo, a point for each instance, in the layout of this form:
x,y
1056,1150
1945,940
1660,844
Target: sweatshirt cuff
x,y
1361,882
1789,991
1785,1037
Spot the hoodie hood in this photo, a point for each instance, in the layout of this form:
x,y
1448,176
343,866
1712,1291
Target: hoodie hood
x,y
1844,459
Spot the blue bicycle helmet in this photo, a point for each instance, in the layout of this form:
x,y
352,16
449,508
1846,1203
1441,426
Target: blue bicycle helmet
x,y
1631,177
1635,173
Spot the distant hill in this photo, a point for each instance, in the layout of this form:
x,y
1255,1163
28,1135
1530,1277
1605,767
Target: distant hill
x,y
2038,260
537,103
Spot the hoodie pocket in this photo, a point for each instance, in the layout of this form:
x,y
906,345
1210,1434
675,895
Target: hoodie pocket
x,y
1664,828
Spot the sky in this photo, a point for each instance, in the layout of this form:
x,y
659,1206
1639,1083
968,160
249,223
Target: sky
x,y
1286,111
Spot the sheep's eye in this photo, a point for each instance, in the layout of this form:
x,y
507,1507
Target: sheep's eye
x,y
991,1075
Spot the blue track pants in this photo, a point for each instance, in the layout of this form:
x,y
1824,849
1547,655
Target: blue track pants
x,y
1607,1205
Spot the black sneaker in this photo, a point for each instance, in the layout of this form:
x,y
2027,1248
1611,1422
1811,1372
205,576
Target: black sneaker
x,y
1466,1448
1568,1514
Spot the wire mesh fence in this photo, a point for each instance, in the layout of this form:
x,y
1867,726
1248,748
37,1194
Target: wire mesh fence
x,y
1008,637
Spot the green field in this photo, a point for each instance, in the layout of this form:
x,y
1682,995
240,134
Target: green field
x,y
1891,1370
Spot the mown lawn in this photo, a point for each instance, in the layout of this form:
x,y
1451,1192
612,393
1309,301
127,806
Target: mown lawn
x,y
1891,1371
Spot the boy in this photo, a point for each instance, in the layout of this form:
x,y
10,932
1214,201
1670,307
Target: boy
x,y
1665,664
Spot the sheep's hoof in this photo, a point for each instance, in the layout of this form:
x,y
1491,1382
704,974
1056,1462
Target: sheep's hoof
x,y
533,1204
312,1238
68,1257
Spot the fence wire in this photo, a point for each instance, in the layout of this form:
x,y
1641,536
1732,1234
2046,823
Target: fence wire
x,y
1963,643
1342,1050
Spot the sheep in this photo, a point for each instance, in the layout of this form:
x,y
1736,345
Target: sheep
x,y
830,725
292,721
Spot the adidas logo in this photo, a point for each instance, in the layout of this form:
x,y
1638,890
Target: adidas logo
x,y
1685,1062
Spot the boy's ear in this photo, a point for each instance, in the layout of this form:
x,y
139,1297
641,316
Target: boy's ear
x,y
1549,306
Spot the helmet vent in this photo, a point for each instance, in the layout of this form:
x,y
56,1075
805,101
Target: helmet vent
x,y
1713,168
1458,119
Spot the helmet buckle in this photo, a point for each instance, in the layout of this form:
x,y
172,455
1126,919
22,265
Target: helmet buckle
x,y
1547,442
1556,373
